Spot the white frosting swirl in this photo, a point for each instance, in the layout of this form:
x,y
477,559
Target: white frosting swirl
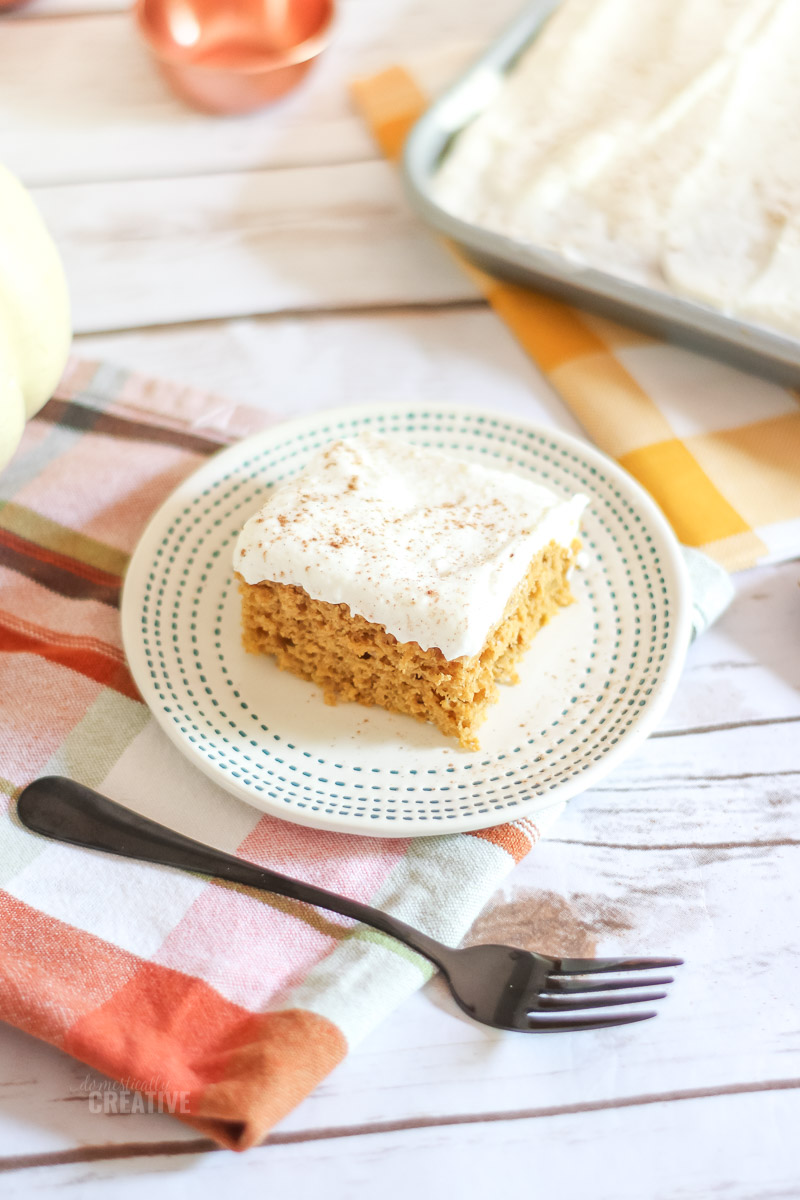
x,y
658,142
424,544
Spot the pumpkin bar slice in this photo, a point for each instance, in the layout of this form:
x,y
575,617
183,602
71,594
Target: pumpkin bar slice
x,y
399,576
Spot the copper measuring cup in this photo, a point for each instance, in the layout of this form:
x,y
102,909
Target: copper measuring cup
x,y
231,56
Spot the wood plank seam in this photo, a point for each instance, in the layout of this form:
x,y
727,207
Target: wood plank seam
x,y
757,845
323,312
245,169
202,1145
754,723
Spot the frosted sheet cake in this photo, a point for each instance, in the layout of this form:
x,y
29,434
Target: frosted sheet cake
x,y
657,142
399,576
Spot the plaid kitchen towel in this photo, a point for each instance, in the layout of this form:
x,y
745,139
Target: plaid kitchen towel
x,y
228,1005
719,449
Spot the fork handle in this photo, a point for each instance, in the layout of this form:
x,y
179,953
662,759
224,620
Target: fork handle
x,y
70,812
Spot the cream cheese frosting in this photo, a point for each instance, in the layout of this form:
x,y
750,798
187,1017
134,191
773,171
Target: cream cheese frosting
x,y
426,545
658,142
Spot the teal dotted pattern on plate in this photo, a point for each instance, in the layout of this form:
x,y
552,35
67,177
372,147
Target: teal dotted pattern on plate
x,y
186,659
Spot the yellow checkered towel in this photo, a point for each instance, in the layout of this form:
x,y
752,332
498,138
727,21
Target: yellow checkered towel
x,y
719,449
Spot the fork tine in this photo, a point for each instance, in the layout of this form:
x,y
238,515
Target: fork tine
x,y
572,1024
571,987
563,1004
593,966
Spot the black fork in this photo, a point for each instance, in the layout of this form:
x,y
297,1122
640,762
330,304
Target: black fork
x,y
496,985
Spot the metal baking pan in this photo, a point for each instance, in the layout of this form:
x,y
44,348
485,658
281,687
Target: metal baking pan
x,y
753,347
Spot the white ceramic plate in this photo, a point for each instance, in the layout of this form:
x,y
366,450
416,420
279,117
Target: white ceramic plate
x,y
593,684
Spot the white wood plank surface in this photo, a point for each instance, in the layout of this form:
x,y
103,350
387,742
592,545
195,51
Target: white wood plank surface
x,y
745,1152
107,113
36,9
293,365
155,251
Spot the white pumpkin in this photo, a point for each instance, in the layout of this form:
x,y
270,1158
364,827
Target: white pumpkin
x,y
34,313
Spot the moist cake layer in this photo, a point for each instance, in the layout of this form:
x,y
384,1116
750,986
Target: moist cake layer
x,y
351,658
426,546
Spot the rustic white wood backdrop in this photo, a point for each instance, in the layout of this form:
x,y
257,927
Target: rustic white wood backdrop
x,y
272,259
